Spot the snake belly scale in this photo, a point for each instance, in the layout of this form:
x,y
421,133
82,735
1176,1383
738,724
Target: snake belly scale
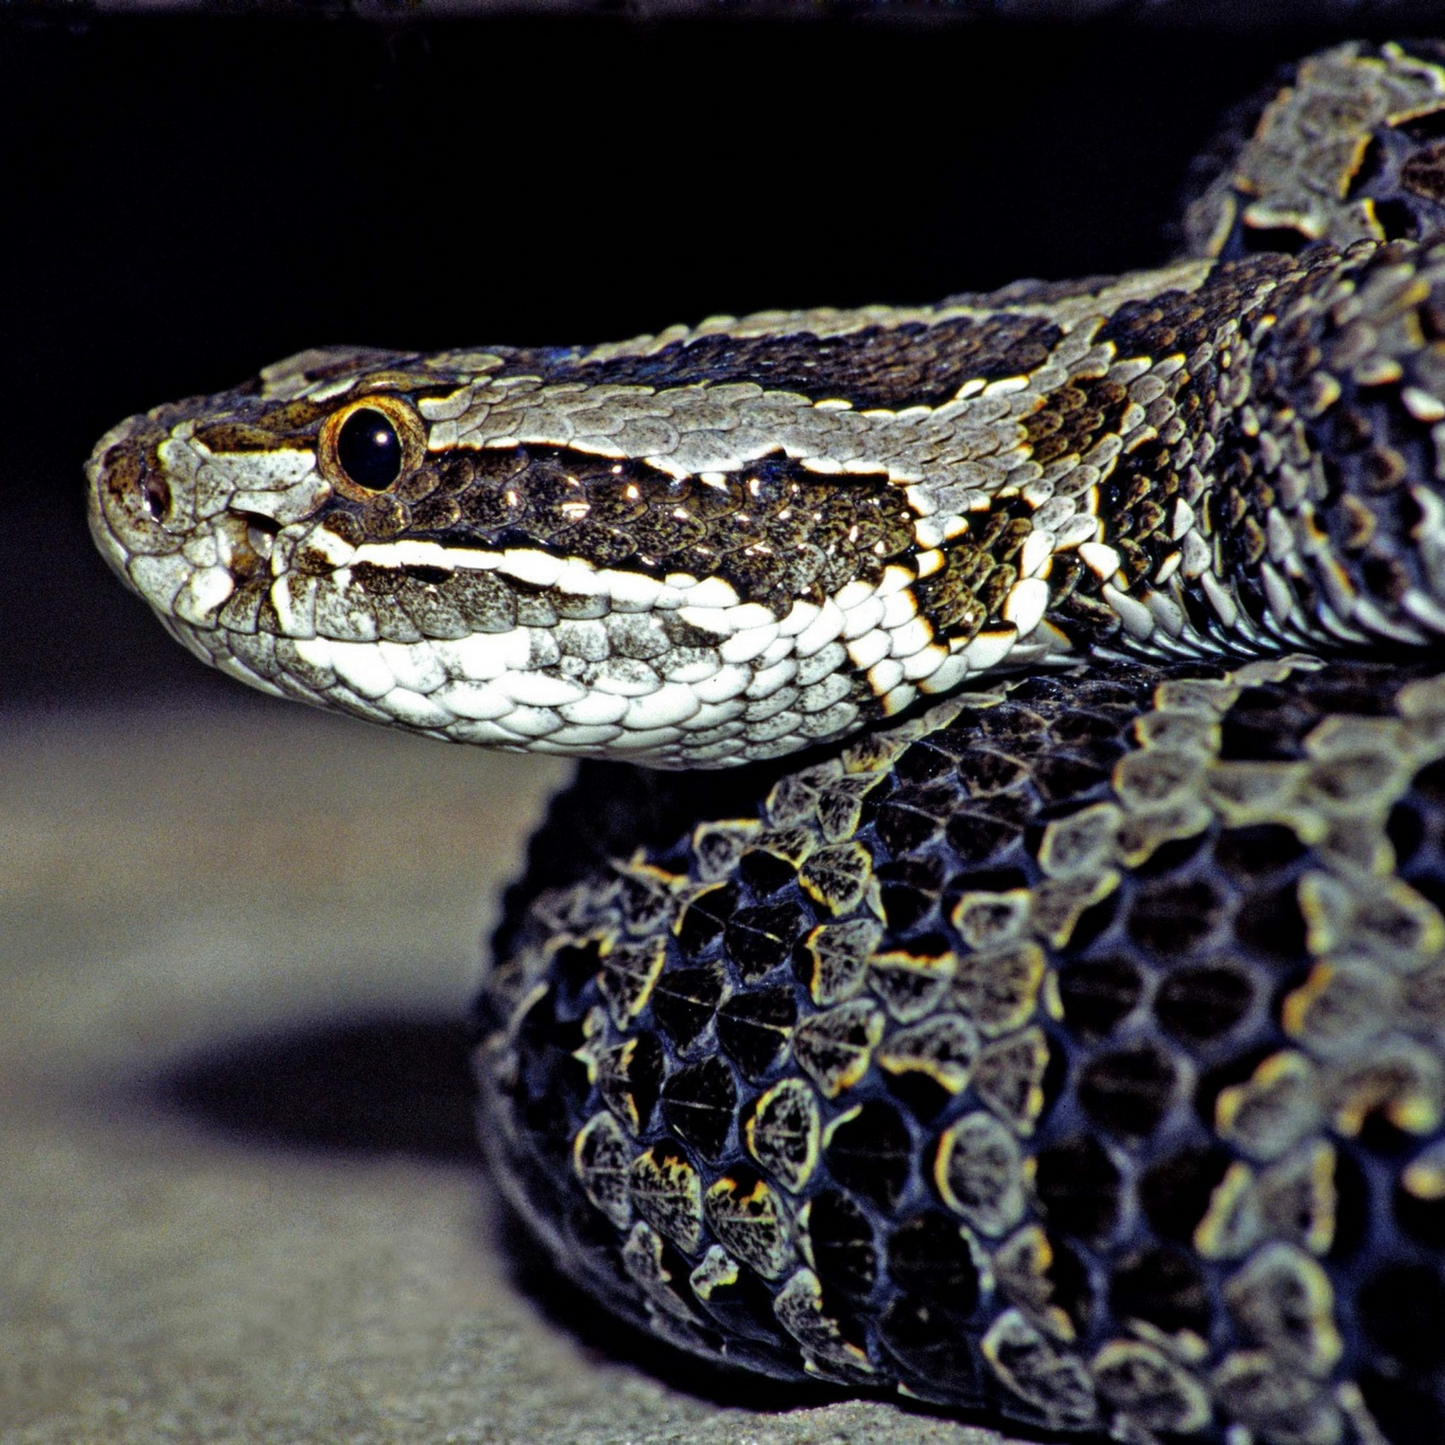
x,y
1060,1038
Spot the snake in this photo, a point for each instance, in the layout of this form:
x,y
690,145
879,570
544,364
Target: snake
x,y
992,952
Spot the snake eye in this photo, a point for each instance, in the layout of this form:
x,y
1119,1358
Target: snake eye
x,y
370,444
369,450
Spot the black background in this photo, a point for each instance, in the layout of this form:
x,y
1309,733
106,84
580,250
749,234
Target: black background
x,y
185,199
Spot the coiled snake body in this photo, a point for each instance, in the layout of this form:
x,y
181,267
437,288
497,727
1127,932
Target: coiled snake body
x,y
1062,1038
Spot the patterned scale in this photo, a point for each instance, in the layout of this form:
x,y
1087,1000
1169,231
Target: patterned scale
x,y
1071,1053
1134,1121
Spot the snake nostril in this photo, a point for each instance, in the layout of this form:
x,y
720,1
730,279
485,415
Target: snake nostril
x,y
156,497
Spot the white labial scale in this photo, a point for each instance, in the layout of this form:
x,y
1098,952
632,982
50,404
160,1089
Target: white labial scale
x,y
1100,558
862,616
929,532
728,682
159,578
801,615
894,579
884,676
716,620
822,630
361,667
747,645
949,673
475,700
537,569
710,592
415,709
770,679
910,637
744,616
414,665
411,553
670,706
203,594
485,656
595,709
899,697
870,648
898,608
1025,604
1037,549
921,665
531,722
631,591
989,649
1168,567
539,689
852,593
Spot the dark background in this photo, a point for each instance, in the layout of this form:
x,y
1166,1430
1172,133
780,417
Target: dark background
x,y
184,199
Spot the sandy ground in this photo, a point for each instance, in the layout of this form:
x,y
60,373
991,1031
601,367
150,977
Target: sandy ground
x,y
240,1198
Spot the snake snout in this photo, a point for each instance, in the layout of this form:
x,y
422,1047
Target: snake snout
x,y
134,507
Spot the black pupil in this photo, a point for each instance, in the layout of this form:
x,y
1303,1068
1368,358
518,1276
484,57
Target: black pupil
x,y
369,449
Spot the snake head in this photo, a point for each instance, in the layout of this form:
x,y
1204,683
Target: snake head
x,y
479,547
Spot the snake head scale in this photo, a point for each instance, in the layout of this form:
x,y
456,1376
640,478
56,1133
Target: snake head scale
x,y
482,548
